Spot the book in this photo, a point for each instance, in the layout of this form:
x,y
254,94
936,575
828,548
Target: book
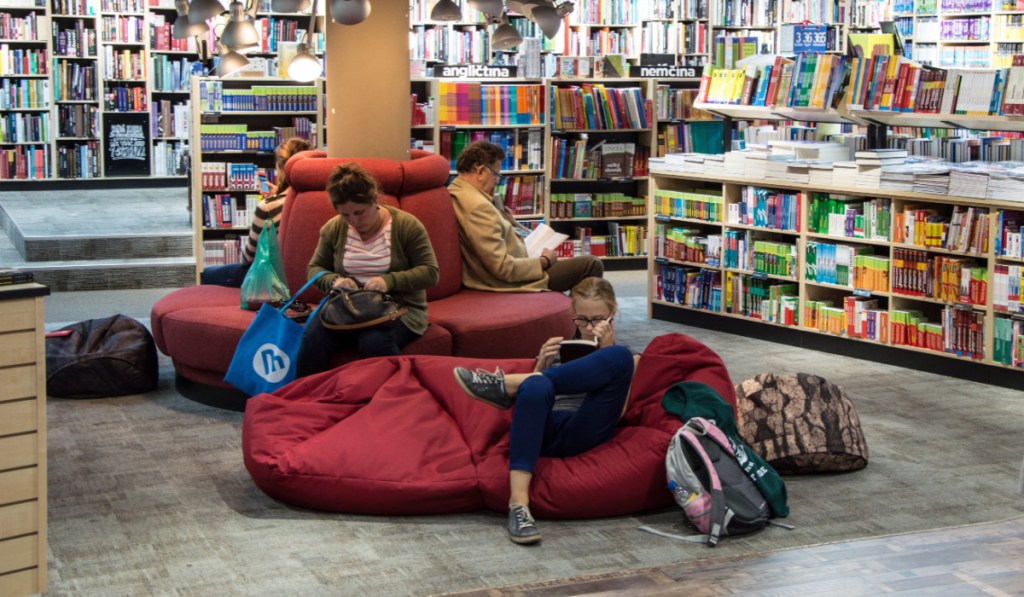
x,y
570,350
881,153
10,275
543,237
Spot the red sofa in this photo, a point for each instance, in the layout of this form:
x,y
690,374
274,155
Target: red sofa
x,y
199,327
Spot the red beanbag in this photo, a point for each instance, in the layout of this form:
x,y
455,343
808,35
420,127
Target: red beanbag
x,y
396,435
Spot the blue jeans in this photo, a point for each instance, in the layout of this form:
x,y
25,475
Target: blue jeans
x,y
319,344
231,274
537,430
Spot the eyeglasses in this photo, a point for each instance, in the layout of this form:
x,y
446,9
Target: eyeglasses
x,y
497,175
583,322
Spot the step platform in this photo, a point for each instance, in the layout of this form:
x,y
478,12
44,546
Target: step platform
x,y
99,239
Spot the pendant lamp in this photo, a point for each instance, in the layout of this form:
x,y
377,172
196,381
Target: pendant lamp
x,y
201,10
350,12
446,10
304,66
505,36
491,8
182,28
239,34
229,61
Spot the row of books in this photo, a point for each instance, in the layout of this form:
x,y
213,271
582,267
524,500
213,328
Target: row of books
x,y
22,61
835,264
524,148
213,97
78,120
125,29
762,299
79,160
687,244
595,106
944,278
692,205
78,40
1006,288
124,65
224,210
851,217
460,44
25,162
574,159
674,103
462,103
24,127
222,251
765,208
126,99
1008,341
20,26
599,42
694,288
161,36
961,229
1008,233
24,93
523,195
216,176
170,158
705,136
170,74
170,119
674,37
72,81
621,240
596,205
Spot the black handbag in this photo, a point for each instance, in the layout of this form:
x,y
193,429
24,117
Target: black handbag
x,y
357,309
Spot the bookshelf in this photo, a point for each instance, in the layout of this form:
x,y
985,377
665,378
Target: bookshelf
x,y
237,125
961,33
25,132
601,134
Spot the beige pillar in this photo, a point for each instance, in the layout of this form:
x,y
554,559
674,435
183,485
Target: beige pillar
x,y
367,84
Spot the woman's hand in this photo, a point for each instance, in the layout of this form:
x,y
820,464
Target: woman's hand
x,y
376,283
343,282
547,353
604,333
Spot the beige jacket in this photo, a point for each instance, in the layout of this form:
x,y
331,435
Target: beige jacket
x,y
493,256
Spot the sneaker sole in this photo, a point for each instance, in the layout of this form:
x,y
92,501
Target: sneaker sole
x,y
525,540
472,395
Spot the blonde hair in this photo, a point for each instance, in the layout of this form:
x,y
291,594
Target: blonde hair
x,y
597,289
351,182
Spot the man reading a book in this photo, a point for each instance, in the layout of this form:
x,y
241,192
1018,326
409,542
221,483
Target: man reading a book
x,y
494,255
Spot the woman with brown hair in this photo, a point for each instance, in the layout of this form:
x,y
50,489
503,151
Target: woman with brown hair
x,y
373,247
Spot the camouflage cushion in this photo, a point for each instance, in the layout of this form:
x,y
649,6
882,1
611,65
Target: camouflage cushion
x,y
800,423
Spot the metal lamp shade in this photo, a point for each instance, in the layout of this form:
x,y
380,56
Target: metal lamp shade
x,y
548,19
491,8
445,10
505,37
349,12
201,10
230,62
239,34
183,29
304,67
289,5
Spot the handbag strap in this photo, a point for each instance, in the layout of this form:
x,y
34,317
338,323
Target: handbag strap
x,y
301,290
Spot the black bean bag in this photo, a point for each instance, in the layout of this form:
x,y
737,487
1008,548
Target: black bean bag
x,y
113,356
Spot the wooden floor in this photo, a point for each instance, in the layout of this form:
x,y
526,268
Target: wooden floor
x,y
983,559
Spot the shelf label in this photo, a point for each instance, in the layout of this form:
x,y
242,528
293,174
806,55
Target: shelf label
x,y
861,292
759,276
668,71
661,260
474,71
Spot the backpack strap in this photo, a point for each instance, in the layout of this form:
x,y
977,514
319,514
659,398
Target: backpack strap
x,y
694,426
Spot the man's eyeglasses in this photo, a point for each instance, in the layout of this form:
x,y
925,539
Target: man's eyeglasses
x,y
497,175
583,322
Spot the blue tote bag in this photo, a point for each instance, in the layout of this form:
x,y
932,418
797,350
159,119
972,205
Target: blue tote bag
x,y
265,357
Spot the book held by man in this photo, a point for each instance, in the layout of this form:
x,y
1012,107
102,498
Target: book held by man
x,y
543,237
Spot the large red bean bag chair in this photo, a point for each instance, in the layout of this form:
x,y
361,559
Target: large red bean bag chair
x,y
396,435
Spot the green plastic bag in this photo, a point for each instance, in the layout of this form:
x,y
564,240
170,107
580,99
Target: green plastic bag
x,y
265,283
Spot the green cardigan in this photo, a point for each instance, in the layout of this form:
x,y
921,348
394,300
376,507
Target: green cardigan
x,y
413,263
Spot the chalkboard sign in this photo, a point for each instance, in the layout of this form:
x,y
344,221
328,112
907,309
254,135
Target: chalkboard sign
x,y
126,144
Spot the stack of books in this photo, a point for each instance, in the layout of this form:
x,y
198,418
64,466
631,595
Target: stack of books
x,y
10,276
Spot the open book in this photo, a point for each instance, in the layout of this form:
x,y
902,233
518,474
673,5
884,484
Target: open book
x,y
569,350
543,237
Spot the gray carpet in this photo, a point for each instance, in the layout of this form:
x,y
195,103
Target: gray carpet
x,y
148,495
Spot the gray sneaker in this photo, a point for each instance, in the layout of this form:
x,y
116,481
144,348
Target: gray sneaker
x,y
485,386
521,527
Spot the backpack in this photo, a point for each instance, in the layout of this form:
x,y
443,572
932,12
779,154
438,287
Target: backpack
x,y
706,477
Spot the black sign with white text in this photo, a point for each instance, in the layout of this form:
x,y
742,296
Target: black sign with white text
x,y
475,71
664,72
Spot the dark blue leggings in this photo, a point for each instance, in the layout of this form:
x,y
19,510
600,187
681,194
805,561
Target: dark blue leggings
x,y
603,375
319,344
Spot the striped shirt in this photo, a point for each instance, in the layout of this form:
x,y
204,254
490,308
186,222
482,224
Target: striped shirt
x,y
268,209
366,259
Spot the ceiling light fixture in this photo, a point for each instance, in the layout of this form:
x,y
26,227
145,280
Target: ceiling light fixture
x,y
505,36
183,28
544,13
491,8
446,10
304,66
201,10
350,12
239,34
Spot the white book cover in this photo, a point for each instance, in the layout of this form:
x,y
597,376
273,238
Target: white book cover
x,y
543,237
